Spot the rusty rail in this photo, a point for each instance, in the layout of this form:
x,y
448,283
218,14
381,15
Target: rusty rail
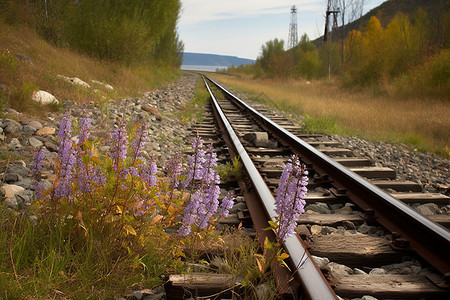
x,y
315,286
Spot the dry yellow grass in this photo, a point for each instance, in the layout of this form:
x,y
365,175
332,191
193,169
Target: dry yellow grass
x,y
48,61
420,123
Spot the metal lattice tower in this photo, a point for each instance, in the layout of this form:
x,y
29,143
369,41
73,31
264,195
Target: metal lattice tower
x,y
332,9
293,35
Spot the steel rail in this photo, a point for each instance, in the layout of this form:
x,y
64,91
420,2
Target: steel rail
x,y
315,286
430,240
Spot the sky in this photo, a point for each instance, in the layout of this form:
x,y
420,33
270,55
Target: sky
x,y
240,27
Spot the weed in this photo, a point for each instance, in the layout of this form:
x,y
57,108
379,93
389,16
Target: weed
x,y
325,125
230,170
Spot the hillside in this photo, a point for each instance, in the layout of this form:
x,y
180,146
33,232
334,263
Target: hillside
x,y
387,10
203,59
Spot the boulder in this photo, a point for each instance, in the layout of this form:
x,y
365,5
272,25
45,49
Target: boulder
x,y
44,98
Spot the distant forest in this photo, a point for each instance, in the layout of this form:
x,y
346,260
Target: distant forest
x,y
405,43
125,31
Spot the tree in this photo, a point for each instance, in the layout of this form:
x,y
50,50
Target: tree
x,y
271,57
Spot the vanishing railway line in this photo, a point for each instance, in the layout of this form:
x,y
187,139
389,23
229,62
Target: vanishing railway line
x,y
396,232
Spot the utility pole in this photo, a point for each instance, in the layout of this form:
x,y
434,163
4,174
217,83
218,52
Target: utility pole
x,y
293,35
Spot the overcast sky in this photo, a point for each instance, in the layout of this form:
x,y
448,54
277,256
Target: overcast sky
x,y
241,27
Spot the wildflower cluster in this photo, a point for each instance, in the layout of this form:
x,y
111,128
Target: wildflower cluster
x,y
116,189
121,187
290,197
203,182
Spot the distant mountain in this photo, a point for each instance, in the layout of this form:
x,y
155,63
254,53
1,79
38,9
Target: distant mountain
x,y
202,59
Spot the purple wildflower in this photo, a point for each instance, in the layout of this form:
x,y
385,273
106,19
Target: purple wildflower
x,y
291,192
65,127
119,147
226,205
173,169
137,144
195,162
203,180
36,166
85,125
148,174
66,158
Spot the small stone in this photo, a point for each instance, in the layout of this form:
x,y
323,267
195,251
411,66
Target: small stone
x,y
11,111
19,169
367,297
24,197
319,207
378,271
263,292
320,261
51,146
138,295
364,228
46,131
348,225
12,126
338,270
9,191
316,229
11,178
34,125
428,209
357,271
35,143
150,109
14,144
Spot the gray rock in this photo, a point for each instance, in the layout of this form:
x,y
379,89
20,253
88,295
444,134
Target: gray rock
x,y
32,126
428,209
35,143
257,139
12,177
319,207
263,292
378,271
9,191
367,297
338,270
12,126
26,183
320,261
364,228
19,169
14,144
24,197
357,271
11,111
51,146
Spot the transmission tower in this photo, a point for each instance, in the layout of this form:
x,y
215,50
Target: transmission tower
x,y
293,36
332,9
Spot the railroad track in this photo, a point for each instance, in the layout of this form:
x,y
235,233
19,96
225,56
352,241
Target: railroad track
x,y
350,193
